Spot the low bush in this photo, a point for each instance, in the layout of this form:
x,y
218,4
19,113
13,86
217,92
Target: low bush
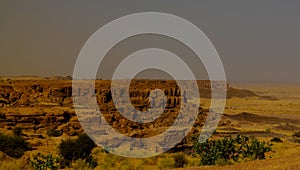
x,y
74,149
180,160
230,149
276,139
13,146
54,133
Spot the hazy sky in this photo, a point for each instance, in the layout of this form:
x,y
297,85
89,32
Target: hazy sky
x,y
256,40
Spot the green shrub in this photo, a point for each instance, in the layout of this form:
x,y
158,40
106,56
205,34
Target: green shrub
x,y
74,149
67,149
54,133
229,149
180,160
276,139
13,146
42,162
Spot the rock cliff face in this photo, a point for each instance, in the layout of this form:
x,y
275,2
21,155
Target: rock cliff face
x,y
40,105
37,106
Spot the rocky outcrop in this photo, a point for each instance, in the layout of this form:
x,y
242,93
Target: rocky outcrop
x,y
40,105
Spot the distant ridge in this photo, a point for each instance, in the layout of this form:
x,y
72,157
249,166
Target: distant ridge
x,y
35,78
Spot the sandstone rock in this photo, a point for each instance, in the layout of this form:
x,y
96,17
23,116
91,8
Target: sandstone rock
x,y
48,94
39,136
71,132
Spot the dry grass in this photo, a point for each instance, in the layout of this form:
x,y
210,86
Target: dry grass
x,y
290,160
15,164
